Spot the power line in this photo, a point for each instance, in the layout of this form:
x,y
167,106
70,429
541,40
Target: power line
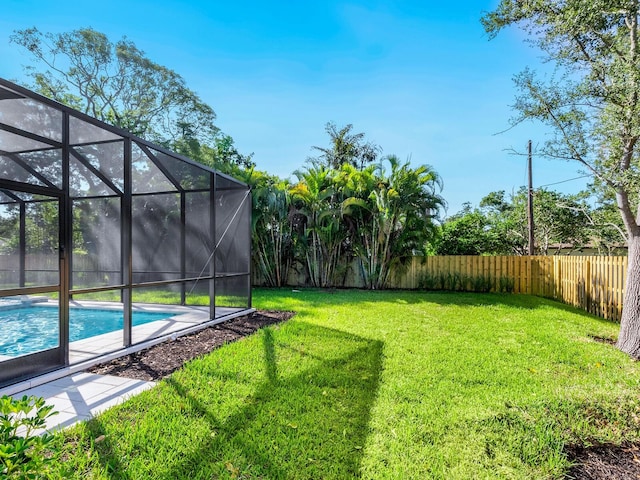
x,y
563,181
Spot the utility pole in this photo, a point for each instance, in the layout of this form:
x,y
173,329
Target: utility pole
x,y
530,206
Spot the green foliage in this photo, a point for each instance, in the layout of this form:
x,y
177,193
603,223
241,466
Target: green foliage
x,y
219,153
116,83
482,283
427,282
345,148
499,226
390,215
465,233
605,228
273,239
23,452
559,219
382,217
320,229
507,284
457,282
343,208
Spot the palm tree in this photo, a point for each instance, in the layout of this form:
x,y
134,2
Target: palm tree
x,y
394,220
321,230
346,148
271,230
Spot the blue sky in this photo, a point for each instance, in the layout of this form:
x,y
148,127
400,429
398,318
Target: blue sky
x,y
420,79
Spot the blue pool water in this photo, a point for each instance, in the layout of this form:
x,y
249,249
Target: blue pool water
x,y
31,329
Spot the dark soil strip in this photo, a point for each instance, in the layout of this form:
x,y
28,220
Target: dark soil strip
x,y
608,341
605,462
165,358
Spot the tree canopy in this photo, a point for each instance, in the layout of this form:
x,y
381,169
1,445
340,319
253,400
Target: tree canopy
x,y
346,147
347,204
592,104
117,83
499,226
381,216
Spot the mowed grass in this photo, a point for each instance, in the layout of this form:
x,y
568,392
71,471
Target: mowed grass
x,y
397,385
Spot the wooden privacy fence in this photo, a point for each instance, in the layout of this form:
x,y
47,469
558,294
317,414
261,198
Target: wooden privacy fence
x,y
593,283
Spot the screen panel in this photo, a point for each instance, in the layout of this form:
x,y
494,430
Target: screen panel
x,y
156,237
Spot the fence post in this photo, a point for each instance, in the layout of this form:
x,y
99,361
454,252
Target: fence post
x,y
588,304
557,276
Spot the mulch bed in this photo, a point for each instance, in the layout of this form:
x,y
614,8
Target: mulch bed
x,y
159,361
608,462
600,462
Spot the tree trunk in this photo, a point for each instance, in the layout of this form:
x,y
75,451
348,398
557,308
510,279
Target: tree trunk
x,y
629,338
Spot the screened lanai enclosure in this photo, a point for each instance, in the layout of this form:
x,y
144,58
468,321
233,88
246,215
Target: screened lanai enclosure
x,y
106,240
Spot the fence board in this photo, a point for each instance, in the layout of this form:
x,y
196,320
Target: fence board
x,y
595,284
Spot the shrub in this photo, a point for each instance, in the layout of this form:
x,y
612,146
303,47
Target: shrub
x,y
482,283
507,285
23,453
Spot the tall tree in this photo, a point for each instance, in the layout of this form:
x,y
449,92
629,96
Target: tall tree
x,y
605,229
592,105
273,242
499,226
321,230
465,233
116,83
220,154
508,228
560,222
395,220
346,147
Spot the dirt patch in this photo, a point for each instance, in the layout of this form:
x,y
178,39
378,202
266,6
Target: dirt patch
x,y
610,462
162,360
608,341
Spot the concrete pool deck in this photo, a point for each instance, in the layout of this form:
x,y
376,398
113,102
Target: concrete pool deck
x,y
78,395
82,396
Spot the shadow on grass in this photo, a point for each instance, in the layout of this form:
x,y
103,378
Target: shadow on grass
x,y
91,437
314,298
311,425
520,301
307,415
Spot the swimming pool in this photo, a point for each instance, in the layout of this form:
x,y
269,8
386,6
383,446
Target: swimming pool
x,y
31,329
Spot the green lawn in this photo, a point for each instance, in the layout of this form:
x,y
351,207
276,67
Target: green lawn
x,y
397,385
